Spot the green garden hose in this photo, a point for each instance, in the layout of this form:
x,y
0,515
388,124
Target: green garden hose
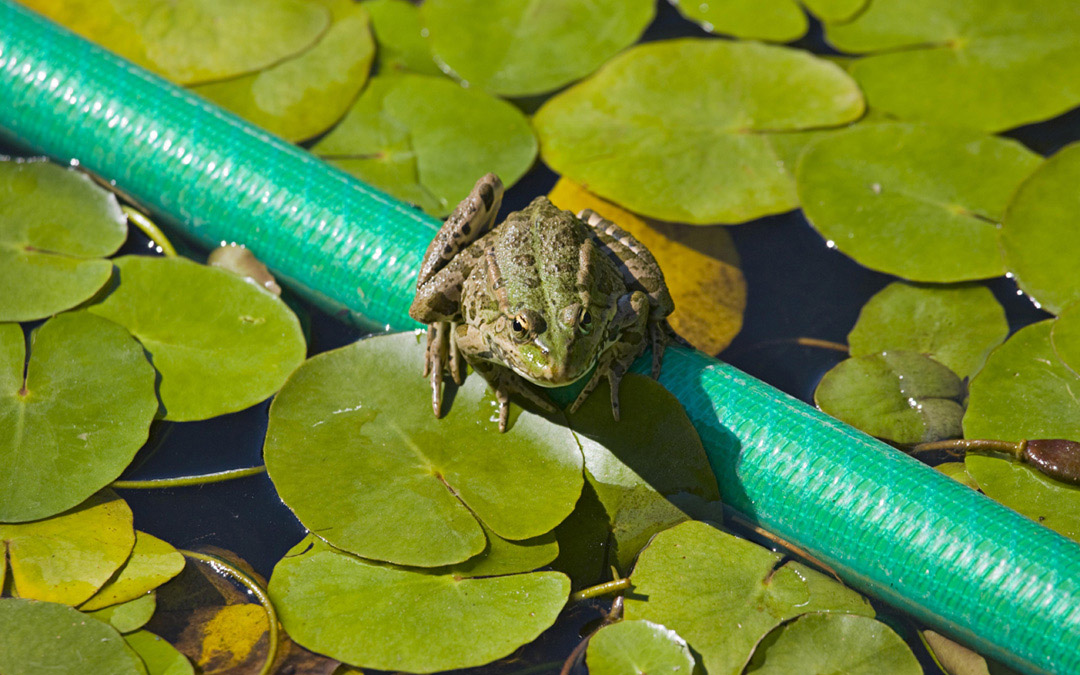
x,y
891,526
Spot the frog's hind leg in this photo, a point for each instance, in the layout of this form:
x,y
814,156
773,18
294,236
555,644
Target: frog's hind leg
x,y
631,323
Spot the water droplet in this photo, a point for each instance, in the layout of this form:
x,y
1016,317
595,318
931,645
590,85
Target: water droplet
x,y
875,188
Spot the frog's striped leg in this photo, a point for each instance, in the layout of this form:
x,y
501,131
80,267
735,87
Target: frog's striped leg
x,y
473,218
631,323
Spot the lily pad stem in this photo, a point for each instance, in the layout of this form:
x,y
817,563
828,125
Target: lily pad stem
x,y
600,589
252,585
150,229
184,481
961,446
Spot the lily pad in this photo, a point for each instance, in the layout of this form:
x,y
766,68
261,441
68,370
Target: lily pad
x,y
1065,337
514,48
152,563
306,95
953,657
958,472
399,34
365,464
54,228
835,11
701,268
219,343
160,657
427,139
957,326
191,41
387,618
900,396
36,637
503,556
1039,234
638,647
987,65
67,558
708,144
769,20
1024,391
723,594
129,616
1027,491
72,424
918,201
827,643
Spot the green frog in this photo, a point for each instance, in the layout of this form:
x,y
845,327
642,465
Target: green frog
x,y
537,300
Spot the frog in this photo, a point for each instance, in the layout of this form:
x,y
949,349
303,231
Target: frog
x,y
540,300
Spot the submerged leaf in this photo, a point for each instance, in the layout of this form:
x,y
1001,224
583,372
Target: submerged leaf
x,y
160,657
769,20
827,643
708,144
398,32
638,647
128,616
1027,491
152,563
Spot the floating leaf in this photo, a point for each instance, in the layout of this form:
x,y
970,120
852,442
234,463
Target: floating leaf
x,y
388,618
723,594
957,326
503,556
958,472
1027,491
160,657
701,268
152,563
427,139
192,41
827,643
530,48
220,344
55,226
38,637
835,11
1065,337
306,95
953,657
402,46
129,616
1024,391
900,396
914,200
769,20
77,419
1039,233
989,65
708,144
638,647
365,464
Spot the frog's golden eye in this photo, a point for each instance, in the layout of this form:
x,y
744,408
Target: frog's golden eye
x,y
585,321
520,326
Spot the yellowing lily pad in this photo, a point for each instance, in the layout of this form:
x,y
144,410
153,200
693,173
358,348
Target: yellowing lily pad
x,y
398,32
702,144
67,558
427,139
918,201
191,41
988,65
1029,492
957,326
128,616
826,643
953,657
160,657
306,95
388,618
1039,234
638,647
769,20
220,343
37,637
152,563
701,268
514,48
55,226
72,423
364,463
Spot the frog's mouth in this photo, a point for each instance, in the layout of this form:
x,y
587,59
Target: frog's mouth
x,y
552,380
545,372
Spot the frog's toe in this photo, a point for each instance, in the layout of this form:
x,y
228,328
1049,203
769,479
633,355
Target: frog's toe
x,y
436,391
660,339
615,376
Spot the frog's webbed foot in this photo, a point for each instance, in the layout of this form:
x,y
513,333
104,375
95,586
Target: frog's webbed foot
x,y
631,321
441,356
505,382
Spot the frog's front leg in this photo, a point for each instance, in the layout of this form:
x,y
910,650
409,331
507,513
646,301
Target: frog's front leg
x,y
630,328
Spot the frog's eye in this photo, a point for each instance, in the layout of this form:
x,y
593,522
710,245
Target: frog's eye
x,y
520,326
585,322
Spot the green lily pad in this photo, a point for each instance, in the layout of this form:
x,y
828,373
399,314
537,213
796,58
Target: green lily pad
x,y
900,396
988,65
160,657
38,637
723,594
1029,492
387,618
398,32
1039,234
638,647
77,419
835,11
827,643
514,48
129,616
152,563
306,95
220,343
191,41
503,556
67,558
365,464
769,20
958,472
701,145
54,228
427,139
1065,337
1024,391
957,326
918,201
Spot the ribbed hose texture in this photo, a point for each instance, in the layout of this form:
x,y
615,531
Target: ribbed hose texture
x,y
890,525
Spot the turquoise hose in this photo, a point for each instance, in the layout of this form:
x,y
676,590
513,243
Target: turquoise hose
x,y
891,526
